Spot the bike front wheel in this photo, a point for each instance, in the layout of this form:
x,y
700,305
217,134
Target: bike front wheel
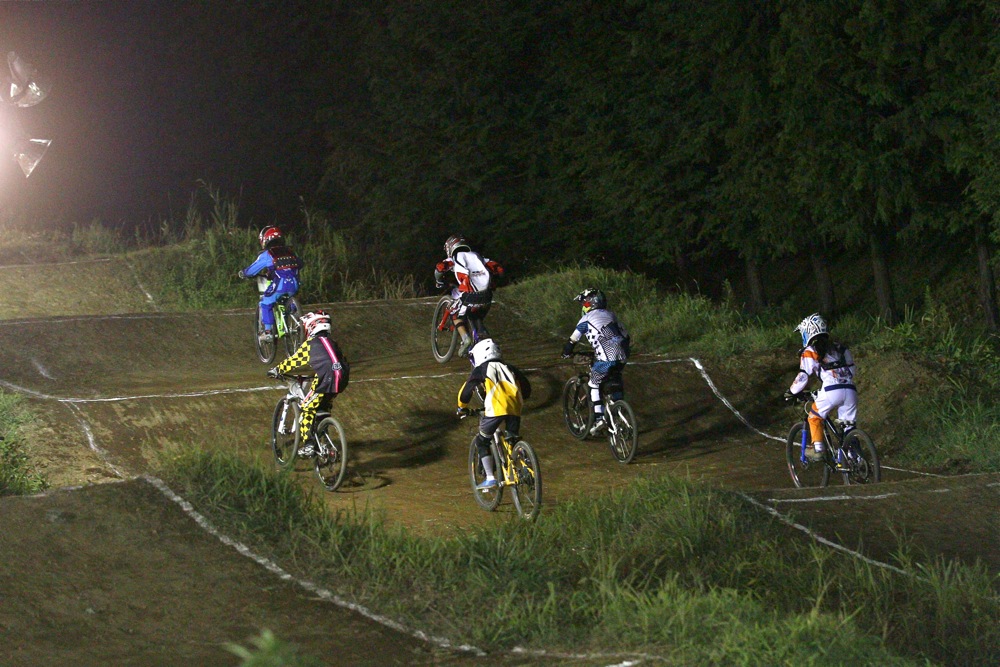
x,y
285,433
444,334
861,458
331,453
488,499
265,349
294,334
527,482
623,433
808,473
576,407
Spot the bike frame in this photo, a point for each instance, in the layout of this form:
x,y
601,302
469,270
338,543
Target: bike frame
x,y
831,427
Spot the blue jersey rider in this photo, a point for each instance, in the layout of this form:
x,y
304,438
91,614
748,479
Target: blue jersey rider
x,y
610,341
281,266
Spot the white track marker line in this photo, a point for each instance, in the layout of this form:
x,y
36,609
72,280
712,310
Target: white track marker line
x,y
92,441
830,498
314,588
41,369
149,297
822,540
43,264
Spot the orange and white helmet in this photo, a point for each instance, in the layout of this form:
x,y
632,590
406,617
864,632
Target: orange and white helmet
x,y
315,322
270,234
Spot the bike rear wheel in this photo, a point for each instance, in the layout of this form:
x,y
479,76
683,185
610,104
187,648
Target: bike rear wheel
x,y
623,433
265,349
331,453
285,433
488,499
576,407
804,474
527,482
294,334
862,458
444,335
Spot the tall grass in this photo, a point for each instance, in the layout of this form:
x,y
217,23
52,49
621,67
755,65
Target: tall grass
x,y
692,574
17,475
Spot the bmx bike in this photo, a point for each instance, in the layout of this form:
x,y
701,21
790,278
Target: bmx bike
x,y
329,442
516,468
287,325
578,410
444,333
849,452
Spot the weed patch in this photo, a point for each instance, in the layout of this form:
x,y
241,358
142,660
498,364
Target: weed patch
x,y
17,475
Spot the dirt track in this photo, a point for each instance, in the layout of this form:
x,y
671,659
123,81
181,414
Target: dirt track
x,y
102,555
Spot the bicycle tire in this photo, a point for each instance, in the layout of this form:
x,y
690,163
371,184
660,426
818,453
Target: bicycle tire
x,y
285,446
576,407
443,341
623,431
815,473
528,483
265,350
294,335
488,499
862,457
331,458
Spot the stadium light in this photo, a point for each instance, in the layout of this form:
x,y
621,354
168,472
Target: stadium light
x,y
25,89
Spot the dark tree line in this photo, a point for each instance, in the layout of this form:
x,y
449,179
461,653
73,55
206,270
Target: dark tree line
x,y
650,133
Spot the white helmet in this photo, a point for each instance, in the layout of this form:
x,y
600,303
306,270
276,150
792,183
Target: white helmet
x,y
315,322
812,326
485,350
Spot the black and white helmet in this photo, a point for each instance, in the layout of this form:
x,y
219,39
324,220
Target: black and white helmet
x,y
591,298
812,326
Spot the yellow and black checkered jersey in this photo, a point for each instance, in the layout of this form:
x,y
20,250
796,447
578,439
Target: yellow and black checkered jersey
x,y
505,386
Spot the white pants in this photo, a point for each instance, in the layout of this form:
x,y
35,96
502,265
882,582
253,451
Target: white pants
x,y
844,401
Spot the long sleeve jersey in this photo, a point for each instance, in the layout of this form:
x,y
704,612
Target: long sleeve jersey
x,y
835,370
472,271
280,263
506,388
605,333
324,358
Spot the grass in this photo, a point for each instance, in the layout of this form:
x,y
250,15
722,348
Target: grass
x,y
666,567
17,475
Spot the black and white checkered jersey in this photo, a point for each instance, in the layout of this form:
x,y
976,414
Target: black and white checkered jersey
x,y
605,333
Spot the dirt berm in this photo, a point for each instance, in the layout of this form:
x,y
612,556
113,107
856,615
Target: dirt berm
x,y
121,574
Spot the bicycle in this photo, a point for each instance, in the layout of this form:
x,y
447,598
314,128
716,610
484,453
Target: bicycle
x,y
329,442
578,410
849,451
516,466
287,325
444,333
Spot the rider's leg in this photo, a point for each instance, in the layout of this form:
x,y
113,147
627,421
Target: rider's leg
x,y
599,370
487,427
310,406
267,301
825,402
513,427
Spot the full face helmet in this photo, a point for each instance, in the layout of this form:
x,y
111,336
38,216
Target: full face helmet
x,y
454,242
269,235
812,326
485,350
315,322
591,298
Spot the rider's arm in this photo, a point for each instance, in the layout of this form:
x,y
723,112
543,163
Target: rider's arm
x,y
808,366
262,262
297,360
441,270
522,381
476,378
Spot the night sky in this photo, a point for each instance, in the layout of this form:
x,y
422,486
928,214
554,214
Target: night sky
x,y
150,97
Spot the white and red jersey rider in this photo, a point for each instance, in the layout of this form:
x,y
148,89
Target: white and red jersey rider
x,y
473,276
